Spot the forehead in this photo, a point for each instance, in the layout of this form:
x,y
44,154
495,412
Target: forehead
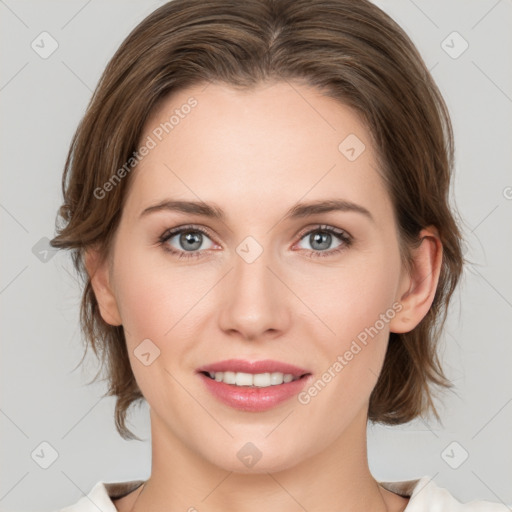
x,y
277,141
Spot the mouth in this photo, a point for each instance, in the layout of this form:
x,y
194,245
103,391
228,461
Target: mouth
x,y
253,386
261,374
256,380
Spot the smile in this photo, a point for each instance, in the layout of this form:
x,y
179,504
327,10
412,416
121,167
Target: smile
x,y
260,380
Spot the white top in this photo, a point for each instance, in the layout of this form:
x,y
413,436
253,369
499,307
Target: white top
x,y
424,494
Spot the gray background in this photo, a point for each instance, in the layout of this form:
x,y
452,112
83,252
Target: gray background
x,y
45,399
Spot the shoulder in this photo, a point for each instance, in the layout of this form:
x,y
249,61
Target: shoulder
x,y
101,495
425,495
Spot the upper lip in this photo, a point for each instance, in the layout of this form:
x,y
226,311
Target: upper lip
x,y
265,366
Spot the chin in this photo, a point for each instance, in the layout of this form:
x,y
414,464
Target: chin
x,y
246,457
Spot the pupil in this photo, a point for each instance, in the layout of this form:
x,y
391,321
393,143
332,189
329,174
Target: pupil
x,y
191,241
323,239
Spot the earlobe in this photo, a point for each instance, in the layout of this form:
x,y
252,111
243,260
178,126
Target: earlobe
x,y
418,287
100,281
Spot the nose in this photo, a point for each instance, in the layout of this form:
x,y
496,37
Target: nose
x,y
255,302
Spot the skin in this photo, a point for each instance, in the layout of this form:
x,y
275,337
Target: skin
x,y
255,155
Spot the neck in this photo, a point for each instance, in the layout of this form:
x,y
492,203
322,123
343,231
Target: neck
x,y
337,477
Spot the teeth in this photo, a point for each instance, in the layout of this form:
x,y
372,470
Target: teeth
x,y
260,380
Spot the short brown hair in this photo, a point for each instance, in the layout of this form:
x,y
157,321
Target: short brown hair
x,y
351,51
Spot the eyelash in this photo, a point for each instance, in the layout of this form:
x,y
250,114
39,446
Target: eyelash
x,y
342,235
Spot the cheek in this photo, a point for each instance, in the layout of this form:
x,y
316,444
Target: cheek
x,y
153,293
353,297
356,305
371,294
156,302
163,303
141,298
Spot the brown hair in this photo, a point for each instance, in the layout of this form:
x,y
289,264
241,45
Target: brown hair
x,y
351,51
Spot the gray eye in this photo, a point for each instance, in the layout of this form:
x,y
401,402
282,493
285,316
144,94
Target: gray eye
x,y
189,240
320,240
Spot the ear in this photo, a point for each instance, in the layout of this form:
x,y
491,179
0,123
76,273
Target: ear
x,y
99,274
418,287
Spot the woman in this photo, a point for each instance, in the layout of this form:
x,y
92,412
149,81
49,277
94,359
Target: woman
x,y
258,198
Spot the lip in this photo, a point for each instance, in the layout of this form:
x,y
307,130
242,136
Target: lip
x,y
265,366
254,399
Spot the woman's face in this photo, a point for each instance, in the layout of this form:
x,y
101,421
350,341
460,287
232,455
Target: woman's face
x,y
267,280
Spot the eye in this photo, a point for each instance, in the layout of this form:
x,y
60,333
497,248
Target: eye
x,y
321,238
189,241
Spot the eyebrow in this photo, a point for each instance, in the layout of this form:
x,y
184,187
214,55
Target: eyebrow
x,y
300,210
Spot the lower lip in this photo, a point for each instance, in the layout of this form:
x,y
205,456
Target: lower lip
x,y
253,399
